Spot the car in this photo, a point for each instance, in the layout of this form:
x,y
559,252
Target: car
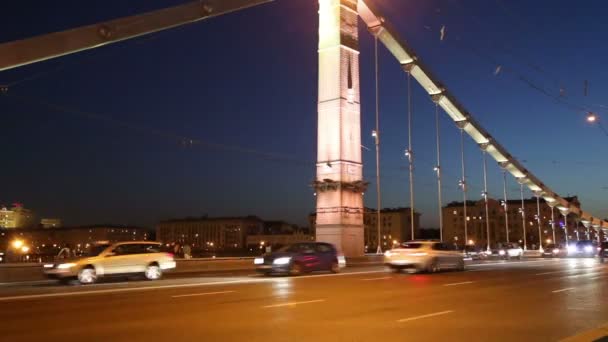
x,y
553,250
603,251
113,259
583,248
424,256
474,253
299,258
510,250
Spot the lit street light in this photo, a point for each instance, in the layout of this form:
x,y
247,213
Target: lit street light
x,y
17,244
25,249
591,118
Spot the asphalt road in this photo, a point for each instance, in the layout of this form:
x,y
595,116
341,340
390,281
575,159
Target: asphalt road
x,y
515,301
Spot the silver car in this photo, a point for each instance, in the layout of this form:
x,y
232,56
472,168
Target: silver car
x,y
118,259
424,256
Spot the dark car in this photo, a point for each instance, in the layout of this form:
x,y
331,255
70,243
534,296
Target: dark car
x,y
299,258
583,248
603,251
474,253
553,250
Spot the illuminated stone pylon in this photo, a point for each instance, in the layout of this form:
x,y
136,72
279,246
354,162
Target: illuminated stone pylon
x,y
339,184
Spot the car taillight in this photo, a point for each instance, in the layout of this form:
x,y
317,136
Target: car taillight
x,y
170,255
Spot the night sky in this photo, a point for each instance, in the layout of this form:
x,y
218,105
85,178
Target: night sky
x,y
103,136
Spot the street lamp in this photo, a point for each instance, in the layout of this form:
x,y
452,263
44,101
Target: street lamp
x,y
25,249
17,244
591,118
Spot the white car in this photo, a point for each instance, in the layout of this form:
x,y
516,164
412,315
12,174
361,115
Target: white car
x,y
118,259
510,251
424,256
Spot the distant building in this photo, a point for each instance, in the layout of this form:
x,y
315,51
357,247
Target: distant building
x,y
395,227
16,217
49,241
254,242
453,222
50,223
219,233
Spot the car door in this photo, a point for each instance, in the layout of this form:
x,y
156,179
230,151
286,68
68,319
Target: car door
x,y
119,261
326,256
309,256
448,255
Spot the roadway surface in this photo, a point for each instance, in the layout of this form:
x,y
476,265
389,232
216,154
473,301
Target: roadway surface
x,y
535,300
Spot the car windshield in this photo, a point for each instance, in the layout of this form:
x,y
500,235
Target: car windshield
x,y
95,250
411,245
293,248
551,245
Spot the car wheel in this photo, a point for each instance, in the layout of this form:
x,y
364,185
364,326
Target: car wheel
x,y
87,275
460,265
153,272
433,266
295,270
335,267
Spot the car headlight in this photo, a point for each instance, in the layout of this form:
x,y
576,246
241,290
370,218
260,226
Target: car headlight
x,y
571,249
501,252
64,266
258,261
588,249
282,261
388,254
555,251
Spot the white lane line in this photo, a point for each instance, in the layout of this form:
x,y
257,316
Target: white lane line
x,y
562,290
381,278
175,286
293,303
202,294
131,289
511,263
461,283
598,277
553,272
424,316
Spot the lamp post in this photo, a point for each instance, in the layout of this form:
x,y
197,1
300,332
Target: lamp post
x,y
409,152
522,210
505,205
485,196
438,171
463,184
553,223
564,211
376,135
378,198
538,219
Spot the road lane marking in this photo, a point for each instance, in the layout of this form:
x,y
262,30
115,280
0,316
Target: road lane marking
x,y
202,294
562,290
292,303
552,272
381,278
598,277
132,289
461,283
424,316
511,263
174,286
